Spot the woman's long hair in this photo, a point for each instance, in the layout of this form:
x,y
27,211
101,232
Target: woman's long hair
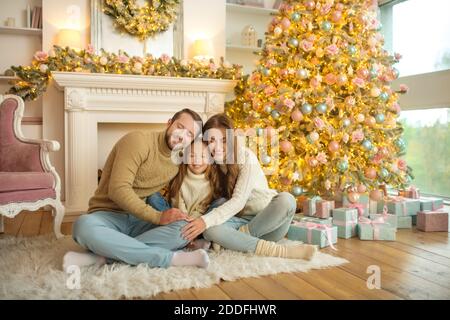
x,y
212,173
222,121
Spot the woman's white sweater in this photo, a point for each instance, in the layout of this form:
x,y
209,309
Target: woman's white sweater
x,y
251,193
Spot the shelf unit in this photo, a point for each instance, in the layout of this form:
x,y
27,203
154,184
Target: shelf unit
x,y
231,7
237,17
21,31
243,48
7,78
21,43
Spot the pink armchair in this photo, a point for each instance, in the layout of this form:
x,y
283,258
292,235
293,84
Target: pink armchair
x,y
28,181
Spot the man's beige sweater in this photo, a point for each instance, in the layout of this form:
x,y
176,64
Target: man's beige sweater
x,y
138,165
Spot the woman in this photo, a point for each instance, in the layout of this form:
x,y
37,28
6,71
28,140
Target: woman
x,y
255,216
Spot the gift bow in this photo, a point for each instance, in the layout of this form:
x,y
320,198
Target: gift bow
x,y
312,225
374,224
414,192
357,206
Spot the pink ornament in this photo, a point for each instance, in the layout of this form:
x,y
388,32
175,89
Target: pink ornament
x,y
310,5
376,195
330,79
370,173
336,16
353,197
361,188
296,115
332,49
285,146
285,23
333,146
285,180
363,73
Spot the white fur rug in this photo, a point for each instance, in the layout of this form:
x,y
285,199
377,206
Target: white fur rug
x,y
30,268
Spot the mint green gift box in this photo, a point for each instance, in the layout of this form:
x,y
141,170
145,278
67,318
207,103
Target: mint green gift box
x,y
389,218
396,207
429,203
345,219
363,199
300,217
404,222
386,231
318,236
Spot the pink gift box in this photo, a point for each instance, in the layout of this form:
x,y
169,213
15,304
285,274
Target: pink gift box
x,y
432,221
323,208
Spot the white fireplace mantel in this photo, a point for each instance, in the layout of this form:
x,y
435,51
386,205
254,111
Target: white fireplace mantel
x,y
90,99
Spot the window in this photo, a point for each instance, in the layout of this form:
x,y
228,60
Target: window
x,y
420,31
427,133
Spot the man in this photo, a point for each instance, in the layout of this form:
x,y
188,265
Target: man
x,y
120,225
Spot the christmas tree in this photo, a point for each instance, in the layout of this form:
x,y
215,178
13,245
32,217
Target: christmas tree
x,y
323,84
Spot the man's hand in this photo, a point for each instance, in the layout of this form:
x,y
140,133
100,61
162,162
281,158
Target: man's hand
x,y
193,229
171,215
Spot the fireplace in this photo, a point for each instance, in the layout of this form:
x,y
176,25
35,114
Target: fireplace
x,y
93,99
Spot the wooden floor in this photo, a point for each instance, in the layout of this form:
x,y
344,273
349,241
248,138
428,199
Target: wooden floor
x,y
416,266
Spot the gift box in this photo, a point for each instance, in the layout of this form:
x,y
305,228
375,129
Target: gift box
x,y
362,205
373,207
400,206
431,204
412,192
432,221
323,208
313,233
388,218
327,221
309,206
375,229
404,222
345,219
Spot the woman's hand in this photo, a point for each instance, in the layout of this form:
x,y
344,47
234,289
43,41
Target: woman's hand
x,y
193,229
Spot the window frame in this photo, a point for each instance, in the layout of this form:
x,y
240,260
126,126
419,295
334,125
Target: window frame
x,y
426,90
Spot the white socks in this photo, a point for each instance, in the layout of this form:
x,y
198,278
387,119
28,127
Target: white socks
x,y
197,258
273,249
82,259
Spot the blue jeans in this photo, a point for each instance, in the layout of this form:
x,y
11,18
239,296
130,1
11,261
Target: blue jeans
x,y
123,237
271,224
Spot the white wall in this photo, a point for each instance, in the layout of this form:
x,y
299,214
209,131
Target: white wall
x,y
201,18
204,19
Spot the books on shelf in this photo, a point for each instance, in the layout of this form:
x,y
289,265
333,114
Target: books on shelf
x,y
36,18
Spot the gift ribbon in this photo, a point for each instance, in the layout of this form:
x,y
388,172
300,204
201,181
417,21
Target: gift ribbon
x,y
433,206
312,205
351,223
310,226
402,202
374,224
357,206
325,208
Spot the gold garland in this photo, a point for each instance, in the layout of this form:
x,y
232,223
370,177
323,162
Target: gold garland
x,y
33,80
143,22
